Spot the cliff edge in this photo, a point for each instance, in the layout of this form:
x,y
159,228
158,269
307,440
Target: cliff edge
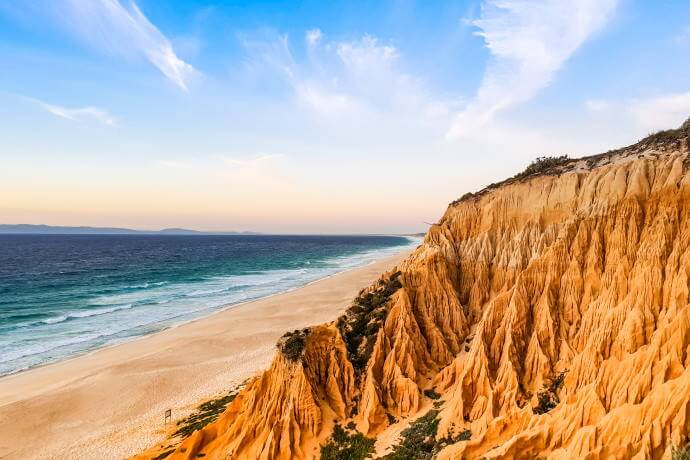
x,y
543,317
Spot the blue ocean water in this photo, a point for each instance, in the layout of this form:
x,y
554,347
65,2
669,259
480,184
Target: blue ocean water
x,y
64,295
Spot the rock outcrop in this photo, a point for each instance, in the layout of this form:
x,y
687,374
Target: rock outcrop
x,y
549,312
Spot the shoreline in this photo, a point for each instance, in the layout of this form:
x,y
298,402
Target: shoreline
x,y
68,405
210,313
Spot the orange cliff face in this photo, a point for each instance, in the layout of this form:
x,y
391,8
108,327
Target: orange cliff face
x,y
549,312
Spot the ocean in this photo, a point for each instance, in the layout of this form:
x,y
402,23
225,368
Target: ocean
x,y
63,295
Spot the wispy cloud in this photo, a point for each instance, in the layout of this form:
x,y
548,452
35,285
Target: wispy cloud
x,y
597,105
529,41
662,111
313,36
88,113
682,37
116,27
343,78
249,161
173,164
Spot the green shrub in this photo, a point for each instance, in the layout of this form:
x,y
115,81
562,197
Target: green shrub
x,y
682,453
164,454
547,165
347,445
292,344
364,318
669,136
419,440
206,413
548,396
542,165
431,394
464,435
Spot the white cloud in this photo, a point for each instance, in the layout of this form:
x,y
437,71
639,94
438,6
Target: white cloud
x,y
80,113
111,26
272,54
365,56
597,105
682,37
251,162
529,41
342,78
313,36
661,112
664,111
173,164
322,100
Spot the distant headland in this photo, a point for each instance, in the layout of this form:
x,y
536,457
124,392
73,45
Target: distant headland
x,y
8,229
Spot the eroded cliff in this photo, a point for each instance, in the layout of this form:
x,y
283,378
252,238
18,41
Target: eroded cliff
x,y
549,313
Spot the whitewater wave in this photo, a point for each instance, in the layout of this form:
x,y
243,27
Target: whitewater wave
x,y
85,314
147,285
143,308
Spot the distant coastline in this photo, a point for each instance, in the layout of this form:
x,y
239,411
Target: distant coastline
x,y
41,229
32,229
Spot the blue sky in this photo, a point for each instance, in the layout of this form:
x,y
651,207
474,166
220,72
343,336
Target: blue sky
x,y
315,117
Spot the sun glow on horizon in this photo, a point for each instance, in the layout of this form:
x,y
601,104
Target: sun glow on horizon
x,y
315,118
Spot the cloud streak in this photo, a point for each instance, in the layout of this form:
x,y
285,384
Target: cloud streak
x,y
115,27
341,78
662,111
529,42
80,114
249,162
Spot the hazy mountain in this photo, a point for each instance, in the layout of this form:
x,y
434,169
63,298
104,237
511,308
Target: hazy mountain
x,y
64,230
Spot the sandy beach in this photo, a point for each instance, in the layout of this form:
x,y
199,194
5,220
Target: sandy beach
x,y
110,404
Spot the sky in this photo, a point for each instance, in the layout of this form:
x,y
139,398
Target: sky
x,y
315,117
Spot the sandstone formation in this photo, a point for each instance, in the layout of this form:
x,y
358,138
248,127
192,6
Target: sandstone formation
x,y
549,312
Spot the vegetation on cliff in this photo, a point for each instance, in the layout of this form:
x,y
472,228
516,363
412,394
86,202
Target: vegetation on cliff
x,y
682,453
347,444
206,413
545,165
362,320
419,440
292,344
548,396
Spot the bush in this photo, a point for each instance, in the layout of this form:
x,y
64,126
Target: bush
x,y
682,453
548,396
542,165
419,440
345,445
292,344
464,435
431,394
206,413
164,454
364,318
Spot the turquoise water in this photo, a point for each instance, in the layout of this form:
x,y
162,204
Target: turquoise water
x,y
62,295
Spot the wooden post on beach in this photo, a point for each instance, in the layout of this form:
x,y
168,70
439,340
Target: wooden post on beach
x,y
168,416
